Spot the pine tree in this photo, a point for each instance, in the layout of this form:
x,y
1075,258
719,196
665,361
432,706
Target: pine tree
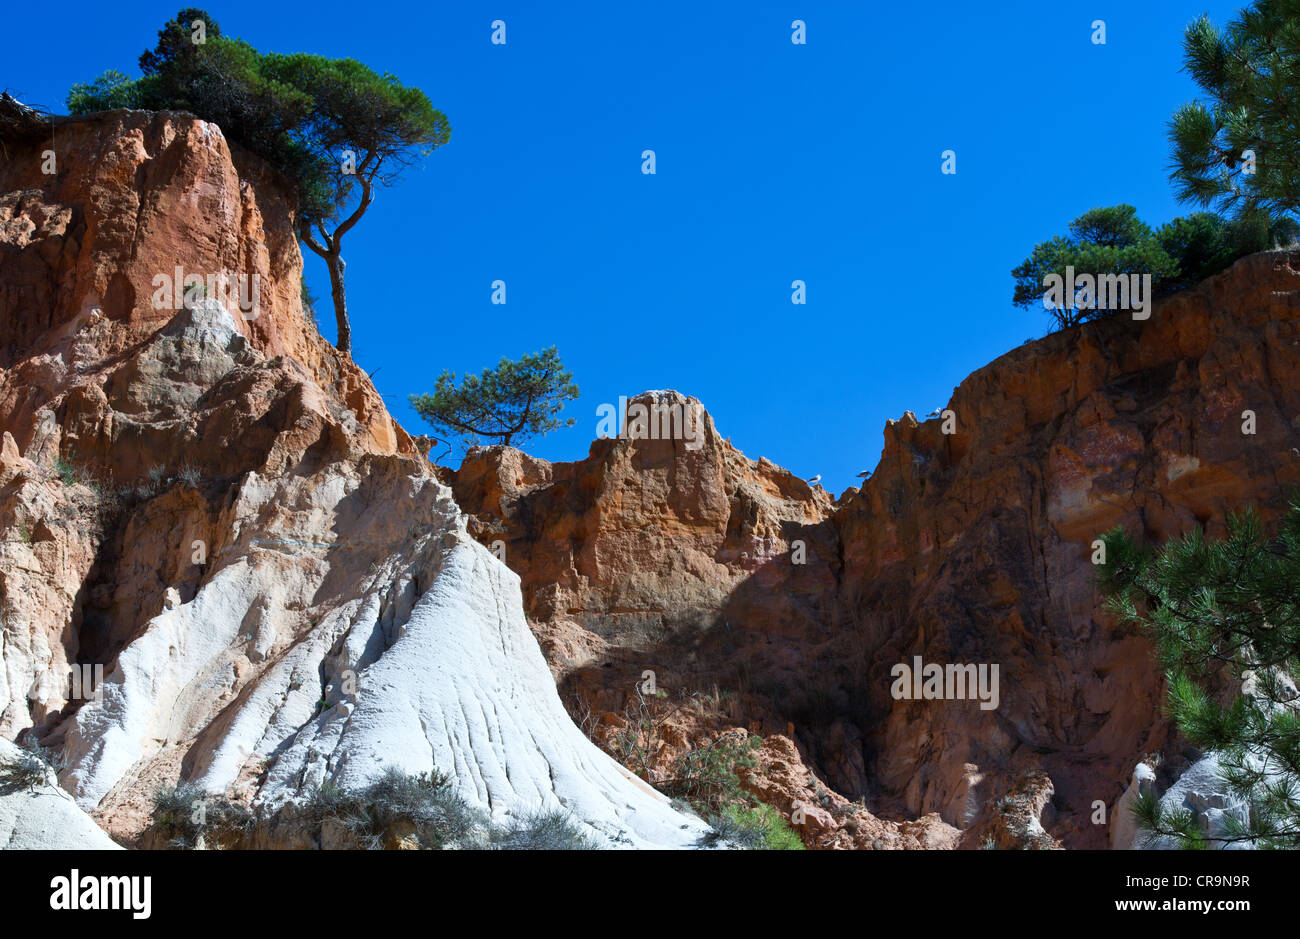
x,y
336,129
1216,610
1236,150
515,400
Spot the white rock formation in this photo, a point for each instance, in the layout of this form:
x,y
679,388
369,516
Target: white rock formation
x,y
464,687
422,660
1124,835
44,817
1201,790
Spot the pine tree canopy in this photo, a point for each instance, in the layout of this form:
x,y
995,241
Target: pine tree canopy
x,y
514,401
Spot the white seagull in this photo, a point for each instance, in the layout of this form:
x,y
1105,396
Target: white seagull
x,y
935,413
815,480
864,474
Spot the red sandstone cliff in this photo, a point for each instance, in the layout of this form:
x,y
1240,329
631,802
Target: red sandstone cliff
x,y
971,547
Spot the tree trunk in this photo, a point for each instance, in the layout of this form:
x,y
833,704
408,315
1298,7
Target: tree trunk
x,y
336,266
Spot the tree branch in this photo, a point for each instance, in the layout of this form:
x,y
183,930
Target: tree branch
x,y
310,241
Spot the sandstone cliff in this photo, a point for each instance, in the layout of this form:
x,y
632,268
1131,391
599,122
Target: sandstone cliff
x,y
207,501
965,547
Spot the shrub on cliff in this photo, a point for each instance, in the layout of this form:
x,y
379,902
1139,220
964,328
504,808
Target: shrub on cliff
x,y
424,806
334,127
1102,241
186,813
1203,243
708,777
425,810
704,780
1228,608
541,831
109,92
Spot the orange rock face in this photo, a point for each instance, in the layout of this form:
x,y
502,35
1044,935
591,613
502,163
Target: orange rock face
x,y
982,541
645,537
966,547
129,428
89,274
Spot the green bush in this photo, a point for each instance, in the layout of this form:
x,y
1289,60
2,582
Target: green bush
x,y
70,473
706,776
173,812
1110,240
708,779
427,808
759,827
542,831
378,813
110,91
1202,244
393,809
185,811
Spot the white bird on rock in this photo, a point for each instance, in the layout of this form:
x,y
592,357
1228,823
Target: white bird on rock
x,y
935,413
864,474
815,480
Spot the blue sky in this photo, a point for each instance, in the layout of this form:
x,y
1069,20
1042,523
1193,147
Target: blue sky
x,y
776,162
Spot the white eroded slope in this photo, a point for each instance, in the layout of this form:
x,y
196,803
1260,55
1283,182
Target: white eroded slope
x,y
419,658
465,688
44,816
